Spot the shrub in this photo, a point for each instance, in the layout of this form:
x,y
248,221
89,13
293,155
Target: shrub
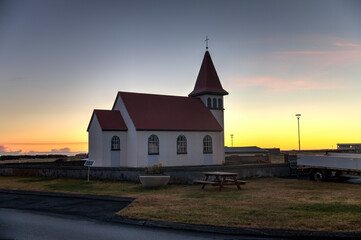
x,y
156,169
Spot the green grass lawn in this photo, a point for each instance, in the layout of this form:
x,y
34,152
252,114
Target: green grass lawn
x,y
271,203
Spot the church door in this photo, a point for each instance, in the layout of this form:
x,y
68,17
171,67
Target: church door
x,y
115,159
115,152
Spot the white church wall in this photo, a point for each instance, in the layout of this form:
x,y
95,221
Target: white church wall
x,y
168,149
108,154
219,116
132,144
220,146
95,142
217,113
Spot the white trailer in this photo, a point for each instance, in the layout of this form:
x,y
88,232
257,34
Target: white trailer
x,y
321,167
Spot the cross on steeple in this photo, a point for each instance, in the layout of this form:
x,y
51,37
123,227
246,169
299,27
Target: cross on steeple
x,y
207,39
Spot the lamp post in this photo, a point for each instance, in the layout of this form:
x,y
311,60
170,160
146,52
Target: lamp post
x,y
232,140
298,121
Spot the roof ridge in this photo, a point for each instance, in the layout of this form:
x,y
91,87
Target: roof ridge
x,y
105,110
160,95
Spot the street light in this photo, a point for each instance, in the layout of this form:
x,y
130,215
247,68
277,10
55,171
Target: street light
x,y
232,140
298,121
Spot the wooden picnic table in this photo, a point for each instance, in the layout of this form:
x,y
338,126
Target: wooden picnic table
x,y
220,179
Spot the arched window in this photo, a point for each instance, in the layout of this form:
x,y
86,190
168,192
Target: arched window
x,y
214,103
153,145
207,144
115,143
181,144
220,104
209,102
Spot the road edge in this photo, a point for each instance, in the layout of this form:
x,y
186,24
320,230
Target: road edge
x,y
69,195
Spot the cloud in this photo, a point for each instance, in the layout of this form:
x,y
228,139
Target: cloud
x,y
64,151
304,52
343,44
32,152
4,150
279,84
334,58
61,150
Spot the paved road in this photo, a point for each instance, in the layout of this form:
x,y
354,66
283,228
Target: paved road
x,y
27,216
22,224
63,204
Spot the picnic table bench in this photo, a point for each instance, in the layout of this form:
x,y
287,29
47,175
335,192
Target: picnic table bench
x,y
220,179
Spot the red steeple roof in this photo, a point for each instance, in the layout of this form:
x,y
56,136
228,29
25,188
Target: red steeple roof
x,y
207,80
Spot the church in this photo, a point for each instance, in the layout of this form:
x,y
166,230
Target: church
x,y
144,129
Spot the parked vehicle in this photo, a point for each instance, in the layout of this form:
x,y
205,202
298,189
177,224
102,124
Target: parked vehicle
x,y
332,165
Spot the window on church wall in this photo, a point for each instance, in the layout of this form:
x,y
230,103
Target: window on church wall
x,y
214,103
207,144
115,143
153,145
181,144
209,102
220,104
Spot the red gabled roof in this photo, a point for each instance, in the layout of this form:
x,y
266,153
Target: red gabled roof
x,y
162,112
109,120
207,80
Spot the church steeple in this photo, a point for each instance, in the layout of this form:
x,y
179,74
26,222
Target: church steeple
x,y
207,80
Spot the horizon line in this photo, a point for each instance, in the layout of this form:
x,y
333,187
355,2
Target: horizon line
x,y
43,143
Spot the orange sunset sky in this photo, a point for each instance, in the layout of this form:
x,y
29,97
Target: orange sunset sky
x,y
59,60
